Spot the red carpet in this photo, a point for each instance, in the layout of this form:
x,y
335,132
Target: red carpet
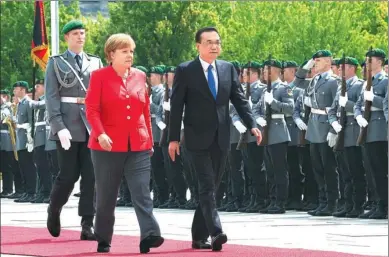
x,y
38,242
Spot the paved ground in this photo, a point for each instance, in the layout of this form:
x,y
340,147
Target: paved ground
x,y
291,230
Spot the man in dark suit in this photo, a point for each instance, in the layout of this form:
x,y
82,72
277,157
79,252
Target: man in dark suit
x,y
205,87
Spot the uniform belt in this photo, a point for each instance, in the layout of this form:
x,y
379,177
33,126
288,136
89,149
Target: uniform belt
x,y
288,115
153,116
375,109
318,111
347,114
4,131
22,125
277,116
40,123
73,100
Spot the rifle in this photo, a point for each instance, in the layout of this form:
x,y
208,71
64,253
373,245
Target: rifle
x,y
363,132
164,133
339,146
265,134
244,137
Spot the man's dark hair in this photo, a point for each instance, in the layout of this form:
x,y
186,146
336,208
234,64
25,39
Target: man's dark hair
x,y
202,30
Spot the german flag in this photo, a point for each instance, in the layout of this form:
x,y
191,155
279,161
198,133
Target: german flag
x,y
39,45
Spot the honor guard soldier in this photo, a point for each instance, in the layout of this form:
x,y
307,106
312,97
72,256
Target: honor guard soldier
x,y
40,156
319,94
24,141
353,174
295,176
386,67
253,153
376,141
8,153
385,104
66,83
280,100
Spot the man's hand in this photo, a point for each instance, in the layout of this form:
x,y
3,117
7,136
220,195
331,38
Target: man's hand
x,y
174,148
257,133
261,122
343,100
309,64
337,127
105,142
161,125
362,122
269,97
240,127
166,106
64,138
368,95
300,124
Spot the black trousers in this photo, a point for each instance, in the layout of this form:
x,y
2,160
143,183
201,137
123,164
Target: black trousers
x,y
345,178
324,167
159,174
255,160
235,161
296,177
7,166
175,174
311,191
43,169
277,171
189,172
53,164
74,163
355,167
28,171
210,166
371,185
377,154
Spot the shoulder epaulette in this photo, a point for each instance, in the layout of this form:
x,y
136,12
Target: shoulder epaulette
x,y
93,55
56,55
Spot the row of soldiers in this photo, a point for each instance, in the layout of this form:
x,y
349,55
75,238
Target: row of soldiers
x,y
286,173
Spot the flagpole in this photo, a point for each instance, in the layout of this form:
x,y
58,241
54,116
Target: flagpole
x,y
54,10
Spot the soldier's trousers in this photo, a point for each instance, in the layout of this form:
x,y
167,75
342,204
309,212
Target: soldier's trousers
x,y
371,186
345,178
353,156
235,159
295,175
53,164
311,191
159,174
324,167
74,163
255,158
377,153
42,167
7,166
175,175
277,172
28,171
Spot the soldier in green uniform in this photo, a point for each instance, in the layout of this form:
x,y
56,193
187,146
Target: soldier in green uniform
x,y
66,83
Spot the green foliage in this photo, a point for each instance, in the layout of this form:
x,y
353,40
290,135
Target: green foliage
x,y
164,31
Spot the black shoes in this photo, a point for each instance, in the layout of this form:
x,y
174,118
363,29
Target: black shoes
x,y
150,242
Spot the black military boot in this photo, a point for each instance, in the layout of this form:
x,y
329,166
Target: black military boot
x,y
328,210
380,212
356,211
341,213
319,208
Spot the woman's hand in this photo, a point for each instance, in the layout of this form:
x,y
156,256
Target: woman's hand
x,y
105,142
151,151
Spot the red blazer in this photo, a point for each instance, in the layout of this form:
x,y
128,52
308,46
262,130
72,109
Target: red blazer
x,y
121,111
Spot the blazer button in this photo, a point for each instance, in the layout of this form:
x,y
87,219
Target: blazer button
x,y
128,107
128,117
127,96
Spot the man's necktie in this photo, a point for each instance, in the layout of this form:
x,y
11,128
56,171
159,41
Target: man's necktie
x,y
211,81
78,61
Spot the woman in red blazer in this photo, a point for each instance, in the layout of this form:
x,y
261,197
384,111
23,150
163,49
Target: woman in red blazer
x,y
118,110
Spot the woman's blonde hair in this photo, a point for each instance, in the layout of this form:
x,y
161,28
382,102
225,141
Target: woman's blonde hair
x,y
117,41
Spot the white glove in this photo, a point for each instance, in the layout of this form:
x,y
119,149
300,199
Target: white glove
x,y
309,65
332,138
30,141
337,127
269,97
182,125
161,125
240,127
343,100
250,103
261,122
362,122
64,137
166,106
30,147
151,98
24,126
300,124
32,103
368,95
307,101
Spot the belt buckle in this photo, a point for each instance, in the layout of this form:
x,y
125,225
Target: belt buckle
x,y
80,100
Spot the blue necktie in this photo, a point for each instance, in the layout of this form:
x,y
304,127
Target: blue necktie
x,y
211,81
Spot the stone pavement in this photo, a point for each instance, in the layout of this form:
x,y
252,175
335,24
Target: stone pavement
x,y
290,230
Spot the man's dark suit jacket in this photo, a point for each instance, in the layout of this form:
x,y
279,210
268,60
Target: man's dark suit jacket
x,y
205,116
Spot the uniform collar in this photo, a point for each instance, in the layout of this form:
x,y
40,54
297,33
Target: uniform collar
x,y
73,54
